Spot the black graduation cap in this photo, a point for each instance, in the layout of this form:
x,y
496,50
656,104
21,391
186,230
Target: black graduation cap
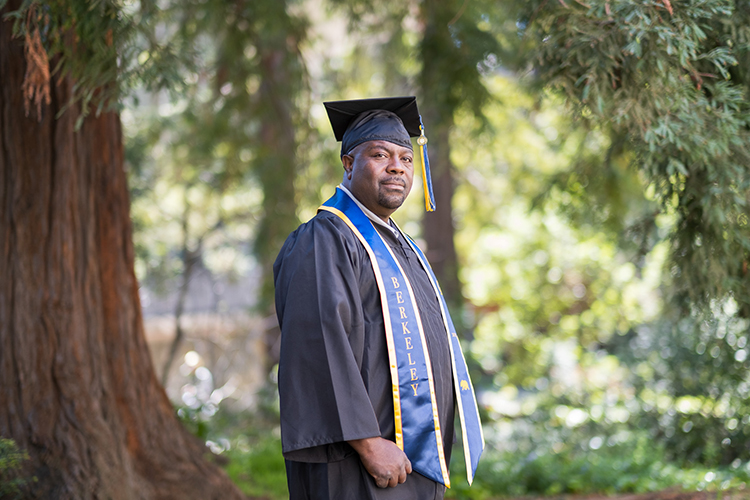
x,y
392,119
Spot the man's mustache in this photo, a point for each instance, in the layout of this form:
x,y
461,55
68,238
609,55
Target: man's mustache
x,y
394,180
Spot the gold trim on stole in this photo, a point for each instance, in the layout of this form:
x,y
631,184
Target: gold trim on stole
x,y
386,322
457,387
428,363
390,342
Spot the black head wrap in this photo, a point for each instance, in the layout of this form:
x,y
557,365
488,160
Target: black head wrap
x,y
392,119
375,125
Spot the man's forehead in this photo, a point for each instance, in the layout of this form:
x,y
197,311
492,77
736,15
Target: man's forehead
x,y
388,146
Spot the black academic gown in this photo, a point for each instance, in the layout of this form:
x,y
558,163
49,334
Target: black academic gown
x,y
334,378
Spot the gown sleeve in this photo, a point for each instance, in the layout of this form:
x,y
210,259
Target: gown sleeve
x,y
323,399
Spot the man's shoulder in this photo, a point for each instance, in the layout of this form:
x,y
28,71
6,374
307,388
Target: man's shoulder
x,y
324,222
324,216
325,234
326,228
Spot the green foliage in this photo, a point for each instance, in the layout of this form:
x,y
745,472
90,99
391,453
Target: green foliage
x,y
458,46
106,48
581,210
668,80
187,207
195,420
258,468
564,262
12,479
659,91
247,444
540,281
690,377
231,138
259,74
634,466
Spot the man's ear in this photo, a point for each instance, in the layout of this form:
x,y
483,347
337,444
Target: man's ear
x,y
348,162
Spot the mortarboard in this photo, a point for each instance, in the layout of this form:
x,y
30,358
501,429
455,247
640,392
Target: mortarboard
x,y
392,119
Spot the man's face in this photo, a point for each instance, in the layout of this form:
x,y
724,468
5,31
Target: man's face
x,y
379,174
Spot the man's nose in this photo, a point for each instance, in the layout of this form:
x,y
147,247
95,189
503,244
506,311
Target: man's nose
x,y
395,166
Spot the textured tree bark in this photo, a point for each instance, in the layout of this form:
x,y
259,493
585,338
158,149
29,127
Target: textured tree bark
x,y
438,226
277,171
277,163
78,389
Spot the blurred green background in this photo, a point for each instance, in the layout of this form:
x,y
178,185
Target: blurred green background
x,y
592,164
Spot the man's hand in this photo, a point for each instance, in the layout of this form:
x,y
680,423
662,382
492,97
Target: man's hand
x,y
383,460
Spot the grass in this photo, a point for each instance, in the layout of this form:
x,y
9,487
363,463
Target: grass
x,y
12,479
633,467
638,465
258,468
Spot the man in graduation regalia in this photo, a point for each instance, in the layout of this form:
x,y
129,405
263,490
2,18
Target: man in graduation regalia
x,y
371,372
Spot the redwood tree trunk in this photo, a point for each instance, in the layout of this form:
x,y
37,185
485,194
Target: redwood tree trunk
x,y
438,105
277,164
277,170
78,389
438,226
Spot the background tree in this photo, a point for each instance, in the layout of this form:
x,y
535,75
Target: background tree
x,y
668,80
84,399
666,84
438,51
592,174
254,96
453,51
190,213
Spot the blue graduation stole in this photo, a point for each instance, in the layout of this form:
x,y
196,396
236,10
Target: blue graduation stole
x,y
415,410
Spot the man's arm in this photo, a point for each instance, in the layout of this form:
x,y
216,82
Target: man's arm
x,y
324,401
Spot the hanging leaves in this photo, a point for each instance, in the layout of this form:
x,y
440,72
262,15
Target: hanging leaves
x,y
674,86
36,81
106,50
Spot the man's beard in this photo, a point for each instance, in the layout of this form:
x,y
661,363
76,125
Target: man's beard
x,y
391,200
